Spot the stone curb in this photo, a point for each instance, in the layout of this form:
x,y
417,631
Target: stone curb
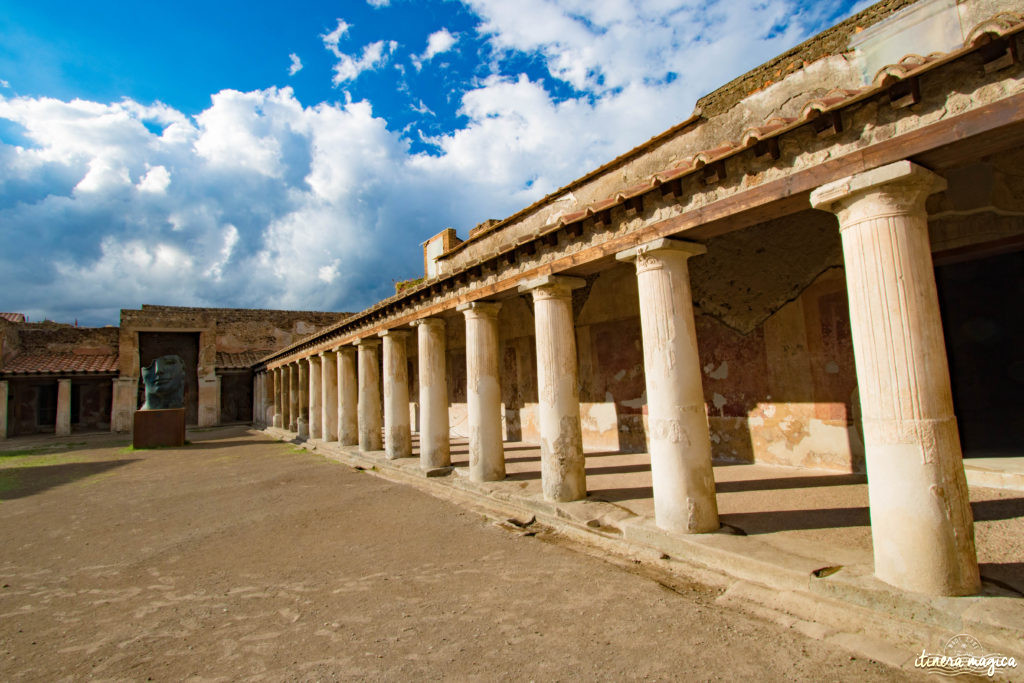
x,y
848,607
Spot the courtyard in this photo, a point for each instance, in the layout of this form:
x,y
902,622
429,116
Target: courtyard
x,y
243,558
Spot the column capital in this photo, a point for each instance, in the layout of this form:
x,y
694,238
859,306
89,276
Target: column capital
x,y
476,309
428,322
660,248
396,333
315,358
904,184
551,286
327,353
367,342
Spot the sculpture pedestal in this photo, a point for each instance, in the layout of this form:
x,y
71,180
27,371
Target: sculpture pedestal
x,y
156,428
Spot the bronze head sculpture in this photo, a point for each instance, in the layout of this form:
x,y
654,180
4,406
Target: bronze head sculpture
x,y
165,383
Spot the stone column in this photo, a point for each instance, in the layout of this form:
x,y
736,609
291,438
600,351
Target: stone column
x,y
435,449
348,397
483,391
124,403
329,396
269,382
303,421
63,425
369,395
256,379
563,474
279,398
315,395
397,432
209,400
678,436
293,397
921,523
3,409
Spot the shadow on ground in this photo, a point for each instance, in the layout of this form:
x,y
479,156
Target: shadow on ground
x,y
20,482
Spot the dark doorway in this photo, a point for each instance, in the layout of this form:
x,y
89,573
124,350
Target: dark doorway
x,y
152,345
236,396
984,331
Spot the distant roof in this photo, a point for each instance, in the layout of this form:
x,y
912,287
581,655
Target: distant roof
x,y
245,359
13,317
60,363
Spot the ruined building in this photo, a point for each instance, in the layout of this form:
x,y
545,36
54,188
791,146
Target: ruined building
x,y
57,378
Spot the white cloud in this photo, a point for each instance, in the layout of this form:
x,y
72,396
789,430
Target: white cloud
x,y
262,201
348,67
378,3
4,84
296,65
332,39
156,180
438,42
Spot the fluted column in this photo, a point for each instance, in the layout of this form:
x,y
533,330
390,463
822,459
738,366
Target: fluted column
x,y
679,441
483,391
369,395
348,397
563,474
921,523
63,425
268,398
435,450
329,396
303,421
280,398
315,394
293,397
397,432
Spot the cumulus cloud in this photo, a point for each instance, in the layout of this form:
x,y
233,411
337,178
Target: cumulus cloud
x,y
262,201
296,65
438,42
378,3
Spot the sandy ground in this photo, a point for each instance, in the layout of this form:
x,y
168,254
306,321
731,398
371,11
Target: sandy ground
x,y
238,557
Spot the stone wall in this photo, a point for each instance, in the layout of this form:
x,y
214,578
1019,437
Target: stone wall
x,y
55,337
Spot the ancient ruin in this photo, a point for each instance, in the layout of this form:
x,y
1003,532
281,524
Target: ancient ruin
x,y
792,275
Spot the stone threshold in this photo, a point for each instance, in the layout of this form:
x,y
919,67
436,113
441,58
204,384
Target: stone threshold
x,y
996,473
844,605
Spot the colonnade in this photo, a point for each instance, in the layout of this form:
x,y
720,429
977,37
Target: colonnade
x,y
921,521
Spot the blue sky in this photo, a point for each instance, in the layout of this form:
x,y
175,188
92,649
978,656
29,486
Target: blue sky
x,y
294,155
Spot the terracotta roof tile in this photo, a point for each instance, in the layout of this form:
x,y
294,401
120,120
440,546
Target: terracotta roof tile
x,y
13,317
60,363
244,359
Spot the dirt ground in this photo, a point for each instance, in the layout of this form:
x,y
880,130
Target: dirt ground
x,y
238,557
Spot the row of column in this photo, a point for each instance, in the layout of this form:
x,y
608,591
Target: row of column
x,y
921,521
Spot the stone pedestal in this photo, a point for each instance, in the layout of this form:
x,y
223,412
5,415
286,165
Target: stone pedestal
x,y
679,441
329,396
483,391
563,474
369,395
315,396
348,397
159,428
921,523
433,375
397,432
63,425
